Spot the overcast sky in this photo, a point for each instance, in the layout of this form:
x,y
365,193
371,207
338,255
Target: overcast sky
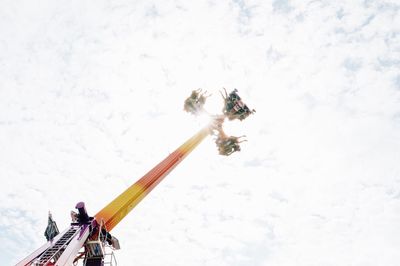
x,y
91,98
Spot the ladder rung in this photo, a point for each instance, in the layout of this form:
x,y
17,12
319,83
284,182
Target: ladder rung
x,y
54,252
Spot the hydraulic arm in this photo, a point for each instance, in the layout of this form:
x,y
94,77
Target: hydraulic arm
x,y
117,209
64,248
92,233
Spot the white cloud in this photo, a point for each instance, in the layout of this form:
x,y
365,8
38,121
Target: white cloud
x,y
91,98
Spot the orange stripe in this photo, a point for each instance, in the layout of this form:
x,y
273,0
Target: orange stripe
x,y
117,209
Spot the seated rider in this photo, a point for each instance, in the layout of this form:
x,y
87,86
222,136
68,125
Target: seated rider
x,y
228,145
195,102
234,107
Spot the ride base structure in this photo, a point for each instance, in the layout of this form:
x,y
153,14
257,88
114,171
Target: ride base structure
x,y
88,238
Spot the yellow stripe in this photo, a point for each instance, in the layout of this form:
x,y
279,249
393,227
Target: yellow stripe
x,y
117,209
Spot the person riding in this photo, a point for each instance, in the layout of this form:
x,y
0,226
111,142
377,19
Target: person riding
x,y
234,107
195,102
227,145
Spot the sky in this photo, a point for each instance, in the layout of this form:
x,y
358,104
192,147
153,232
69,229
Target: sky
x,y
91,98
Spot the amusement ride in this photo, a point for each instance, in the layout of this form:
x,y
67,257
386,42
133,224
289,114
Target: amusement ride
x,y
88,238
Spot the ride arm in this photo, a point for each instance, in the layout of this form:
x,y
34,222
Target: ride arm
x,y
117,209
